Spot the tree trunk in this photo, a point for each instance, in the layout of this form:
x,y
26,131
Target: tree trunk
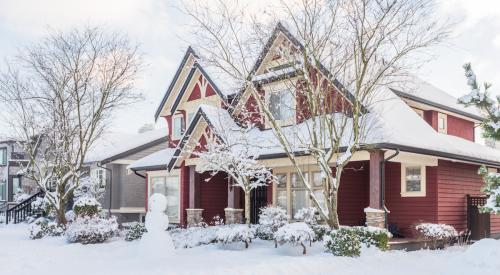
x,y
304,248
61,212
333,217
247,207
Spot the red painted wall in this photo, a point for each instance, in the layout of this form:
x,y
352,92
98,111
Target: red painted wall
x,y
431,117
408,211
456,180
184,192
353,193
213,195
460,128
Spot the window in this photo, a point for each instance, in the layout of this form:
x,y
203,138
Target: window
x,y
190,117
442,123
101,177
178,127
168,186
291,194
16,185
282,105
412,180
3,156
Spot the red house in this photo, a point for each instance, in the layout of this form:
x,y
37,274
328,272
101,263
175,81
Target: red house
x,y
430,136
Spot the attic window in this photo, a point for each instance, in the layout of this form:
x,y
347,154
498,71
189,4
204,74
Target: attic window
x,y
442,123
282,105
178,127
412,180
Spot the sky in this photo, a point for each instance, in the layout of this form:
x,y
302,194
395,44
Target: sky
x,y
160,29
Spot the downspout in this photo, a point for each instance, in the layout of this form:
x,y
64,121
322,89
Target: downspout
x,y
139,175
110,185
382,183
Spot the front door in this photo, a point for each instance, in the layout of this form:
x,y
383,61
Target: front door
x,y
258,199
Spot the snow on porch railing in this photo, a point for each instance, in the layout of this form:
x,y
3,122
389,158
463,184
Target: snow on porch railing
x,y
22,210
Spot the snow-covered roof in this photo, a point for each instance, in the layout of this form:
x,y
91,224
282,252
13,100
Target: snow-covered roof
x,y
114,143
421,91
158,159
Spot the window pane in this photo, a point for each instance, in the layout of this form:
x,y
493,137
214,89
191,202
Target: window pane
x,y
173,197
321,199
297,180
3,156
441,123
281,198
287,105
299,200
281,180
178,129
158,185
317,180
274,105
413,179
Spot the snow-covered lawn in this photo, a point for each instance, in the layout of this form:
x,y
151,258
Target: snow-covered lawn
x,y
19,255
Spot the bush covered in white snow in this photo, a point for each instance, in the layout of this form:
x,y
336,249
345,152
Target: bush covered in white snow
x,y
44,227
372,236
91,229
270,220
343,242
135,231
307,215
193,236
436,231
86,206
235,233
295,234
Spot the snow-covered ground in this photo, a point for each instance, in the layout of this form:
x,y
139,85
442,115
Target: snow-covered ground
x,y
53,256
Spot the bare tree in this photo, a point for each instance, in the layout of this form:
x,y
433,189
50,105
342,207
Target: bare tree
x,y
58,96
342,54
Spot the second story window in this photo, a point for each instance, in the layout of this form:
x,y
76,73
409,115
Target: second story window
x,y
3,156
177,127
282,105
442,123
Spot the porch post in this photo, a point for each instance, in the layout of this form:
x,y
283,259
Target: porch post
x,y
194,212
375,215
233,212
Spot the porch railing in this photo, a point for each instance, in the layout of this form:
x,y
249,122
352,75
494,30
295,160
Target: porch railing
x,y
22,210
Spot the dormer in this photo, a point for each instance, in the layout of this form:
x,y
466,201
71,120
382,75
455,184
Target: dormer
x,y
441,110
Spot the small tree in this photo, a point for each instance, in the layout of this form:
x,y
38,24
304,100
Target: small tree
x,y
482,99
58,96
234,158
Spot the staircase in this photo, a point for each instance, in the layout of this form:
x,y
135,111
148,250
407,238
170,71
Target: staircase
x,y
21,211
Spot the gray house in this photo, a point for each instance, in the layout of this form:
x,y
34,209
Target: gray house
x,y
108,160
11,181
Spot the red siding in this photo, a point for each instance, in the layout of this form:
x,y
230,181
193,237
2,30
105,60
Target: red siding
x,y
213,195
431,117
184,192
408,211
353,193
456,180
460,128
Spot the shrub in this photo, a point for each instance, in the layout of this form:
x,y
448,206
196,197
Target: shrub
x,y
343,242
369,236
295,234
307,215
70,216
193,236
319,231
91,229
135,231
44,227
235,233
436,232
86,206
270,220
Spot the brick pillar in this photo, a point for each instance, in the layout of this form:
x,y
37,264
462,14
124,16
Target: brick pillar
x,y
375,216
194,188
233,215
194,216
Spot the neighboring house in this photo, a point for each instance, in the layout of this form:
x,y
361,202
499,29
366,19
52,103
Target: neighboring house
x,y
125,194
428,180
11,181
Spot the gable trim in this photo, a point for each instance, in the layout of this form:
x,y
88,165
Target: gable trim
x,y
134,150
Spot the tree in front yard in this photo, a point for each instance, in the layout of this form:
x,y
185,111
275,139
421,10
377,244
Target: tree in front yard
x,y
480,97
344,54
58,95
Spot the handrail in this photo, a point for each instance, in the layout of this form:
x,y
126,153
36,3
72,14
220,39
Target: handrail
x,y
22,210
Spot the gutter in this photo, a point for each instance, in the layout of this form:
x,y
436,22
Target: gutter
x,y
382,184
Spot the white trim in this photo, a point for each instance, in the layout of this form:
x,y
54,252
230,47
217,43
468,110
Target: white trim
x,y
123,161
129,210
278,88
444,117
423,181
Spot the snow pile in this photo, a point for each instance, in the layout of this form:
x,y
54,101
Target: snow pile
x,y
436,231
295,234
484,253
93,229
270,220
235,233
194,236
44,227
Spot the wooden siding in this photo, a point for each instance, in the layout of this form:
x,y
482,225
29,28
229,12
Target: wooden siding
x,y
408,211
353,193
460,127
213,195
184,192
456,180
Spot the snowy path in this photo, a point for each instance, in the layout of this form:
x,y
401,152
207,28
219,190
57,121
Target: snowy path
x,y
20,256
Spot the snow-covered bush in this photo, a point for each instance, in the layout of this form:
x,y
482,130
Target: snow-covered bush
x,y
89,187
343,242
20,196
44,227
319,231
135,231
91,229
436,231
217,220
235,233
193,236
307,215
86,206
270,220
369,236
70,216
295,234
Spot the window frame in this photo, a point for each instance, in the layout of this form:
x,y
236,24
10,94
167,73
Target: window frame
x,y
423,181
3,156
287,121
177,136
443,117
165,175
